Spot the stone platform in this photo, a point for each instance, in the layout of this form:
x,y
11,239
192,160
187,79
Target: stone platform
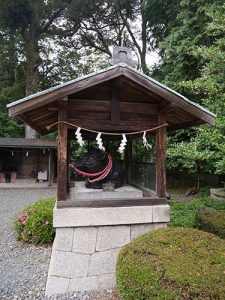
x,y
217,194
80,192
88,241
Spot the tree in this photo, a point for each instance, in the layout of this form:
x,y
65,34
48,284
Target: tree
x,y
31,21
208,88
123,23
12,83
187,30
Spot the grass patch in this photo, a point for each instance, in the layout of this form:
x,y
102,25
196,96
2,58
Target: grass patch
x,y
183,212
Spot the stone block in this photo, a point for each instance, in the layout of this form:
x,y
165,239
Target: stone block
x,y
124,192
161,213
103,262
83,284
106,281
160,225
137,230
63,239
69,264
110,237
103,216
56,285
84,240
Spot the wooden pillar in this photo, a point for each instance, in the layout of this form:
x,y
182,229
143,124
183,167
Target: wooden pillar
x,y
62,152
161,158
128,161
51,167
68,161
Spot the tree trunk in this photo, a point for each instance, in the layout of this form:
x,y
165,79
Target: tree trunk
x,y
144,66
32,73
33,62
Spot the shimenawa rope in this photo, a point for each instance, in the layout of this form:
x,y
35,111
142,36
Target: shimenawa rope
x,y
106,133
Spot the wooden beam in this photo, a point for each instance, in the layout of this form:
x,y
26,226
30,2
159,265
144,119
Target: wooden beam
x,y
161,158
99,115
139,88
145,201
64,90
89,104
115,104
105,125
166,108
168,95
33,125
185,125
62,152
140,108
43,117
105,106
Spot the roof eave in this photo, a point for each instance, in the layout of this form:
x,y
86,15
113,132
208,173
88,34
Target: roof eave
x,y
18,107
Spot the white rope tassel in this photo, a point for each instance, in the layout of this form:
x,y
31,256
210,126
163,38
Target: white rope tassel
x,y
145,142
99,142
79,137
122,144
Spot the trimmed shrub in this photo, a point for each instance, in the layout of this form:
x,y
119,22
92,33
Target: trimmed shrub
x,y
172,263
211,221
34,224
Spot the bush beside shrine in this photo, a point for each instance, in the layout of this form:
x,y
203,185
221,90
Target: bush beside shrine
x,y
211,221
172,263
34,224
182,213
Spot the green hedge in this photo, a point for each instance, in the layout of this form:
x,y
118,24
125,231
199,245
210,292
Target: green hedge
x,y
34,224
172,263
182,213
211,221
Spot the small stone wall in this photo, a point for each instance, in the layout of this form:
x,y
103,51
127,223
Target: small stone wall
x,y
84,258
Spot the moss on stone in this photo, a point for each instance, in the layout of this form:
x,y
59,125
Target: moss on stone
x,y
172,263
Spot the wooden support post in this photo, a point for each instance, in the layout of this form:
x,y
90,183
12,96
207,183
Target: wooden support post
x,y
128,161
68,161
50,167
161,158
37,154
62,152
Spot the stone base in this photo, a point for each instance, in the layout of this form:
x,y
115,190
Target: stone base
x,y
217,194
80,192
84,256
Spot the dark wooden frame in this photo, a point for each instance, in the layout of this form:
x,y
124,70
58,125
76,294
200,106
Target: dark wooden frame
x,y
119,99
150,197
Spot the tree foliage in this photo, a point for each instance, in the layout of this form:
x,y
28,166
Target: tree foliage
x,y
12,83
196,44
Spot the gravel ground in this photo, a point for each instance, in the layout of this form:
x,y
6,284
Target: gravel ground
x,y
182,197
24,268
104,295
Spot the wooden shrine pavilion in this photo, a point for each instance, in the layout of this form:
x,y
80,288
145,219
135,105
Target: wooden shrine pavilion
x,y
27,160
117,99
